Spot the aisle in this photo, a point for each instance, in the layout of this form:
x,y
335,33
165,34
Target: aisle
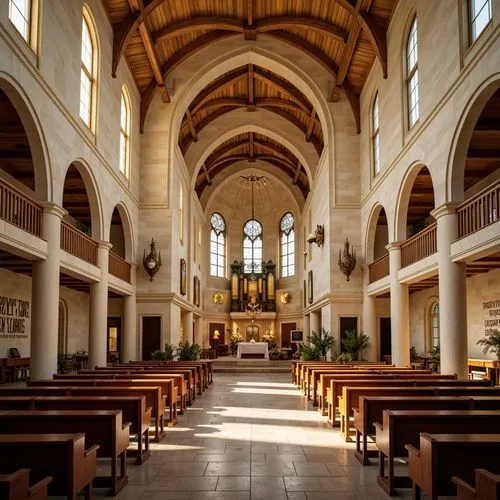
x,y
249,437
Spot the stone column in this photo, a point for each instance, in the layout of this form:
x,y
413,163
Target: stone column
x,y
129,337
315,322
98,327
45,297
307,326
400,310
188,326
370,321
452,296
198,333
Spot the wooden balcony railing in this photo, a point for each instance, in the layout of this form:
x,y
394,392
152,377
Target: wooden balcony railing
x,y
20,210
479,211
119,267
419,246
379,268
78,244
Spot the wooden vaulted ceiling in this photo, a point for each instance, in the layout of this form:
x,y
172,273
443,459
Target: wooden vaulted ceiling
x,y
156,36
252,147
251,87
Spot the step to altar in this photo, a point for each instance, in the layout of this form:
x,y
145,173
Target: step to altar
x,y
228,364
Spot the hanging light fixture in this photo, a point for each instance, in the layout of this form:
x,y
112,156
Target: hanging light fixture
x,y
253,308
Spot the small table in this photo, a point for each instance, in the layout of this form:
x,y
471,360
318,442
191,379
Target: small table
x,y
253,348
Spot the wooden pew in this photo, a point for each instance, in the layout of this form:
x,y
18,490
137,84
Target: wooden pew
x,y
168,390
401,428
487,486
60,456
133,408
371,408
16,486
103,428
442,456
153,395
351,393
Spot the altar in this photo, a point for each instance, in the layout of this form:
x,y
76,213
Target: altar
x,y
253,349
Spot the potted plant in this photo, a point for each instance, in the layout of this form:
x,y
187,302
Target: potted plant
x,y
491,343
187,352
322,342
167,354
434,359
354,343
307,352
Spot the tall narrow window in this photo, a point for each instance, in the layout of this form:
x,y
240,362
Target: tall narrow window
x,y
480,15
435,324
375,137
124,132
87,73
217,245
287,245
181,213
20,16
412,75
252,246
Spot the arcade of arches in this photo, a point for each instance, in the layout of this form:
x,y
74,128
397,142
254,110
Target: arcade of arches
x,y
123,121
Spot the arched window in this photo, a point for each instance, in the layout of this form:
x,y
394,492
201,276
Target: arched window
x,y
287,245
480,16
20,17
124,132
217,245
412,74
88,72
252,246
375,136
435,324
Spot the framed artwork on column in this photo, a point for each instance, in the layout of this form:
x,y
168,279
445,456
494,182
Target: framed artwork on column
x,y
310,286
196,291
183,277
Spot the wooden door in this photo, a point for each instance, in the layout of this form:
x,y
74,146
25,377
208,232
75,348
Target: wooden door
x,y
347,323
114,340
286,336
385,338
220,327
151,335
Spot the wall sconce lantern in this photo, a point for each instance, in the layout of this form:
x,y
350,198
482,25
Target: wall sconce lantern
x,y
347,260
152,261
318,237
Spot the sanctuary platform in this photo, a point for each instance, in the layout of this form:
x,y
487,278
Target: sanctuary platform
x,y
229,364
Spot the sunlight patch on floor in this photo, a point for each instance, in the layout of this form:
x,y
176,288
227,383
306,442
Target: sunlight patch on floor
x,y
266,384
263,391
267,414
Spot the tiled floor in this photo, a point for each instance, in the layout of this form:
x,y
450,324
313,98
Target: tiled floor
x,y
252,436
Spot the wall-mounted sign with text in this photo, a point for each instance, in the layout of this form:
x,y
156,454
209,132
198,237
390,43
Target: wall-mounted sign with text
x,y
491,310
14,318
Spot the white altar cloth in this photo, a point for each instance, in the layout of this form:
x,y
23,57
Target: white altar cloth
x,y
253,348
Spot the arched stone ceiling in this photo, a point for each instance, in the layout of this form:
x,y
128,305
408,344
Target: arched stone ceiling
x,y
251,87
156,36
252,147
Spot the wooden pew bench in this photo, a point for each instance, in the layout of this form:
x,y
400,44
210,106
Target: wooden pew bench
x,y
487,486
63,457
133,409
16,486
371,408
153,395
442,456
168,392
103,428
401,428
351,393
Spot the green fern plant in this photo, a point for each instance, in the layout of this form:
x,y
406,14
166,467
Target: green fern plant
x,y
322,341
491,343
354,343
186,351
308,352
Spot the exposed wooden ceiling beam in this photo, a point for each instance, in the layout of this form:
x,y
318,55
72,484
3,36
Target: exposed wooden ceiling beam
x,y
251,148
250,12
153,60
354,102
297,172
250,88
310,126
207,175
192,128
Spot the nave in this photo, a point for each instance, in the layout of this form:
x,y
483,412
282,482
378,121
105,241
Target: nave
x,y
251,436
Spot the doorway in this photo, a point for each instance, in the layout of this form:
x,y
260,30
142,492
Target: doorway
x,y
114,340
286,338
151,335
347,323
385,338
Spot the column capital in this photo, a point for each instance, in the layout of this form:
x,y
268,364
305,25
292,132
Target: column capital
x,y
445,209
395,245
134,266
54,209
104,245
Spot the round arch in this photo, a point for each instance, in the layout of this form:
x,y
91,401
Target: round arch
x,y
93,194
127,231
462,137
229,132
371,230
34,132
400,216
